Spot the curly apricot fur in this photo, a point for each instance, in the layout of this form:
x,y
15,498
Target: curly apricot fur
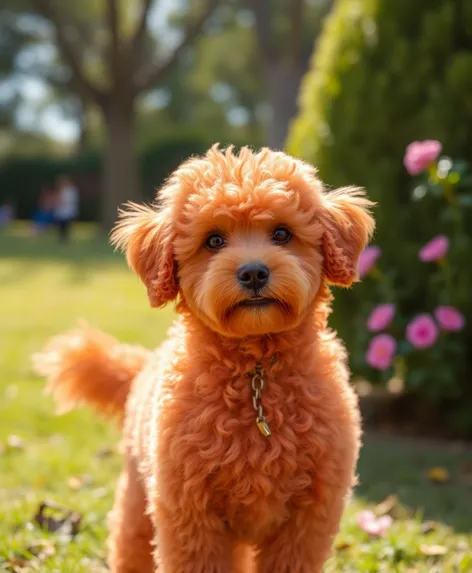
x,y
202,491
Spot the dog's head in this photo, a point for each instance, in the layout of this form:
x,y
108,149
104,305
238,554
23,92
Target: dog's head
x,y
247,240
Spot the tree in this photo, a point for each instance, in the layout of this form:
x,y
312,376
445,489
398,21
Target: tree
x,y
217,93
111,68
286,31
12,40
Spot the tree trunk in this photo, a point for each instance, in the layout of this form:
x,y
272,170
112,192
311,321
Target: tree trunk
x,y
121,173
283,78
83,139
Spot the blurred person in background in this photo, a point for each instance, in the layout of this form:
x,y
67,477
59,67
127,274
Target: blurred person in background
x,y
66,207
44,216
7,213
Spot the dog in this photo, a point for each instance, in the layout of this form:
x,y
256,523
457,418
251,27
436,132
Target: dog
x,y
241,432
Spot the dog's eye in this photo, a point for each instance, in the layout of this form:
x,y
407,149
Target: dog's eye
x,y
215,242
281,236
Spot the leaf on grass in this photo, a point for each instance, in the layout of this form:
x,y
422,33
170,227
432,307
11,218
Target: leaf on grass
x,y
428,527
387,506
56,519
438,475
104,453
16,564
41,549
343,546
79,482
433,550
32,556
100,492
392,506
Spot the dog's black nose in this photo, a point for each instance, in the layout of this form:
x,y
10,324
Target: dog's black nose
x,y
253,276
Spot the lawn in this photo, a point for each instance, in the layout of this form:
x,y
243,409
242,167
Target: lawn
x,y
73,461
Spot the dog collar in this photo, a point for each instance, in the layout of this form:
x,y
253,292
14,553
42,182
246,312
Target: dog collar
x,y
257,386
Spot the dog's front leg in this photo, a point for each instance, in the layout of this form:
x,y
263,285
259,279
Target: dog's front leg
x,y
192,543
303,544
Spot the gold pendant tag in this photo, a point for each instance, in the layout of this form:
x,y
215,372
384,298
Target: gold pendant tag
x,y
263,427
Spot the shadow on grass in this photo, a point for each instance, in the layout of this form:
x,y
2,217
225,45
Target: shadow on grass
x,y
400,467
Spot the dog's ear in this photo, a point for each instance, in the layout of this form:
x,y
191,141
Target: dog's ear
x,y
348,226
146,237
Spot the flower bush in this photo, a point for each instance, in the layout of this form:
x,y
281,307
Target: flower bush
x,y
381,317
368,259
422,332
449,318
434,250
381,351
416,303
420,155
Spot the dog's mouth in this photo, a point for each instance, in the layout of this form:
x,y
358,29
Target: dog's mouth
x,y
259,303
256,302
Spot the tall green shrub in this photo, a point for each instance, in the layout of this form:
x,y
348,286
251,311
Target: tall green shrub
x,y
385,73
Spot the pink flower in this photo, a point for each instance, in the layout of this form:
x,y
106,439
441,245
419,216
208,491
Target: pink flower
x,y
420,154
381,317
449,318
422,331
372,524
368,259
381,351
435,250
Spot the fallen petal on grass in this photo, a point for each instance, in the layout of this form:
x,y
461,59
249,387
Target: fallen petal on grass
x,y
373,525
13,443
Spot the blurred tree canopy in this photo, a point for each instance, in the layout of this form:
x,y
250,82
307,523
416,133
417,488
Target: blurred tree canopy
x,y
247,67
13,39
109,58
228,68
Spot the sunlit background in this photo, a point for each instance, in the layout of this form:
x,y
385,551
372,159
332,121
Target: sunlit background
x,y
101,99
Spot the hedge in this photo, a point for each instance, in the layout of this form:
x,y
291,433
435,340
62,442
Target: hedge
x,y
21,178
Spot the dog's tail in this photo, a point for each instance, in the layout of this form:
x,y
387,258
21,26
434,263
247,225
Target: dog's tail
x,y
86,365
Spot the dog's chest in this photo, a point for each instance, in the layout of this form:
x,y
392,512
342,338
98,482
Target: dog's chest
x,y
251,479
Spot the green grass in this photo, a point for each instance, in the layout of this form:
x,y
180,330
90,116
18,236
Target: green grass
x,y
44,288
